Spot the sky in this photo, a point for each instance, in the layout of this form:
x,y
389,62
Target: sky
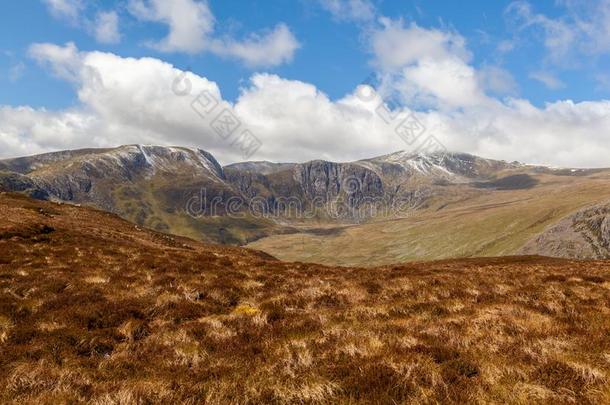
x,y
299,80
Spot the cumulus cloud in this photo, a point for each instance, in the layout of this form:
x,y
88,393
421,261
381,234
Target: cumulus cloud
x,y
396,45
271,49
26,131
428,67
298,121
189,22
122,100
129,100
191,30
107,27
65,62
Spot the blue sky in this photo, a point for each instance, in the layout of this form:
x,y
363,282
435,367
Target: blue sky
x,y
508,55
333,56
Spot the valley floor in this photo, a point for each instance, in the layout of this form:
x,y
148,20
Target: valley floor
x,y
93,308
482,224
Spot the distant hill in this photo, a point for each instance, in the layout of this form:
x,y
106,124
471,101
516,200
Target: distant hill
x,y
401,206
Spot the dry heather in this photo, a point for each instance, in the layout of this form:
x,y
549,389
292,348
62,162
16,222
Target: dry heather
x,y
95,309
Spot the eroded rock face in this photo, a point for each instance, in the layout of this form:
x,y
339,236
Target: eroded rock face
x,y
605,231
328,180
584,234
21,183
301,187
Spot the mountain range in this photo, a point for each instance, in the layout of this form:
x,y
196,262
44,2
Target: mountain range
x,y
397,207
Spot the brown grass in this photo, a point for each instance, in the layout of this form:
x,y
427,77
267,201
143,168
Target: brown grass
x,y
96,310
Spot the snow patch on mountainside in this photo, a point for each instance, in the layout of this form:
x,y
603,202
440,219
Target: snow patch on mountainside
x,y
416,162
158,159
454,166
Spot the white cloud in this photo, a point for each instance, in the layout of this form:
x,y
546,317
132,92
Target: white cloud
x,y
191,30
558,36
396,45
26,131
442,84
350,10
68,9
562,133
497,80
428,67
297,121
592,20
64,62
583,29
128,100
107,27
274,48
189,22
104,27
548,79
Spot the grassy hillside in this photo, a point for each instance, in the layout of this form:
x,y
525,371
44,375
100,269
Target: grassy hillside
x,y
160,205
462,223
95,309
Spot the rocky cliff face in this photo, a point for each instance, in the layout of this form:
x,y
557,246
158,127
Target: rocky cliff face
x,y
584,234
383,181
329,180
17,182
303,187
317,185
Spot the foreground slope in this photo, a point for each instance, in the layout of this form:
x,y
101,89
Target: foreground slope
x,y
93,308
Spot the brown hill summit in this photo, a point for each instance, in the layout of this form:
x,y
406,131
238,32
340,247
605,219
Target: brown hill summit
x,y
93,308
